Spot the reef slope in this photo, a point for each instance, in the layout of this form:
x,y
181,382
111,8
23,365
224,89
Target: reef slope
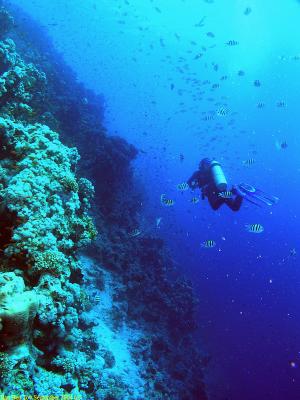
x,y
96,316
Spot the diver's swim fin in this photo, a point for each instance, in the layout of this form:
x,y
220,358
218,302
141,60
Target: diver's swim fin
x,y
255,196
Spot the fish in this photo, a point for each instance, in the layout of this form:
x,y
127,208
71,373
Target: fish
x,y
97,299
241,73
182,186
280,104
181,157
232,43
250,161
208,244
210,34
166,202
208,118
197,56
254,228
281,145
247,11
222,112
135,232
260,105
226,195
158,221
257,83
195,200
200,23
293,252
162,43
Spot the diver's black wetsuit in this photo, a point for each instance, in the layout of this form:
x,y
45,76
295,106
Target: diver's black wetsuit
x,y
203,181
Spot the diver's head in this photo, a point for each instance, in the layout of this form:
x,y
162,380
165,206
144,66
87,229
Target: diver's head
x,y
205,164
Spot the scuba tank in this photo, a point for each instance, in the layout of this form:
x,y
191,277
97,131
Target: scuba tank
x,y
218,176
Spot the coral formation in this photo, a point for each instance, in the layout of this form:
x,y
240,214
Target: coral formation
x,y
81,314
18,308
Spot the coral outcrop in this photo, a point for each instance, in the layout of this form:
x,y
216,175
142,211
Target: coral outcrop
x,y
81,314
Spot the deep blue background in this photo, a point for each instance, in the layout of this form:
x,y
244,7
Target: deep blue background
x,y
144,56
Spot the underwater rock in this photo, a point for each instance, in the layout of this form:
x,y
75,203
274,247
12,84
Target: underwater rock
x,y
18,308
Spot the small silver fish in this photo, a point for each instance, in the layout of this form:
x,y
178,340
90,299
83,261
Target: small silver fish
x,y
135,232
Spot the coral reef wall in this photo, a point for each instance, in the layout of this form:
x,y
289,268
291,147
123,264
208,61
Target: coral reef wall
x,y
81,314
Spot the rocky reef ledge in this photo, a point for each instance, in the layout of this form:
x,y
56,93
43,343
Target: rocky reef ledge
x,y
83,314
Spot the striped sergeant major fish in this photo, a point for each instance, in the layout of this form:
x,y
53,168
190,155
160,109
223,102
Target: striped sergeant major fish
x,y
249,162
195,200
208,244
254,228
182,186
226,195
280,104
208,117
166,202
222,112
232,43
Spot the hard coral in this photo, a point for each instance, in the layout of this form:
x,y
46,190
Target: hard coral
x,y
44,221
18,81
52,221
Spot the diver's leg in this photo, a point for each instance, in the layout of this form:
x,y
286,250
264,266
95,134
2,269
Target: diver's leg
x,y
235,204
215,202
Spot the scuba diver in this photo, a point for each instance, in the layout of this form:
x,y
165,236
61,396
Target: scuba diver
x,y
211,180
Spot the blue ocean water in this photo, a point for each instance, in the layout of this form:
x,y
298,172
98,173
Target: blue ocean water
x,y
163,66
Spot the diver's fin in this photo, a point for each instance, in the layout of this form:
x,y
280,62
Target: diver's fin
x,y
255,196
